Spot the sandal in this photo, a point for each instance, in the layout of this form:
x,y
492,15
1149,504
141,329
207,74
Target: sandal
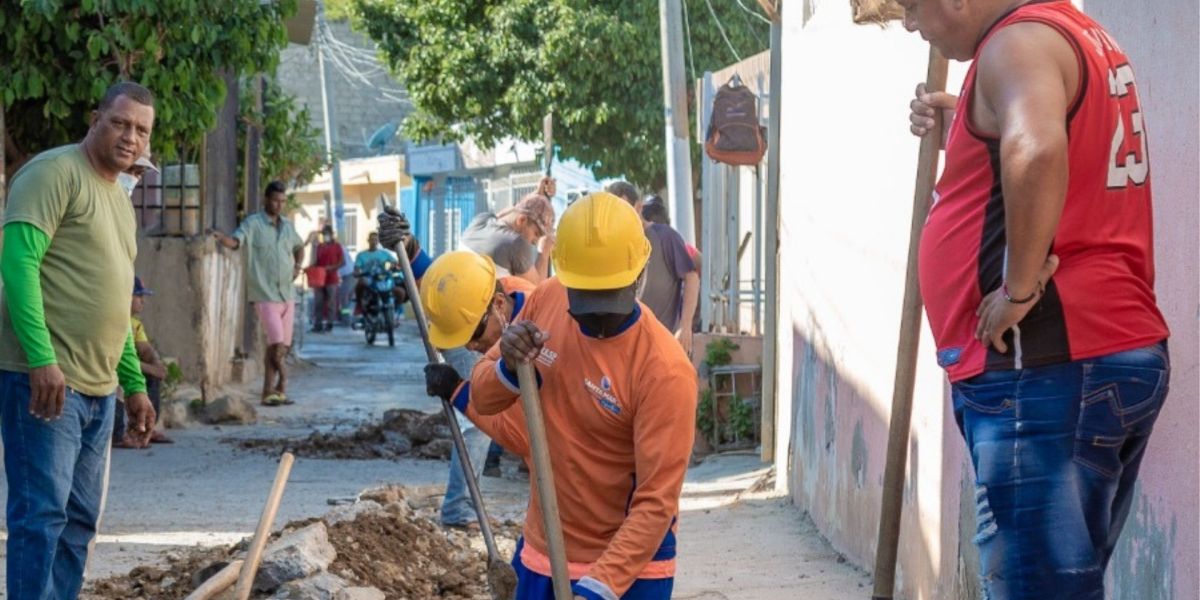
x,y
272,400
284,400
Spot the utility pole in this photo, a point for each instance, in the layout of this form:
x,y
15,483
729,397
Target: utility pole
x,y
771,449
679,157
338,217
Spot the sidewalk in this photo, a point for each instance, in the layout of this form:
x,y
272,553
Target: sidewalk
x,y
753,546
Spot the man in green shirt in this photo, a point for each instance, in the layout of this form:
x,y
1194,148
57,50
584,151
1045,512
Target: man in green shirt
x,y
272,262
65,342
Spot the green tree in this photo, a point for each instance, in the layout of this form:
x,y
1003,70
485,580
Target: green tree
x,y
493,68
292,150
58,56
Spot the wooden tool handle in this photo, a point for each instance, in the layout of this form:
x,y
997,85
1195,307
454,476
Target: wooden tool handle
x,y
254,556
217,583
464,457
544,474
906,351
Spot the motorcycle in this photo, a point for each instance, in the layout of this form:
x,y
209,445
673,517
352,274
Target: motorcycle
x,y
379,303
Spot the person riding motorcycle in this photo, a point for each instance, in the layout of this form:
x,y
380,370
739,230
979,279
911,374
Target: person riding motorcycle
x,y
373,257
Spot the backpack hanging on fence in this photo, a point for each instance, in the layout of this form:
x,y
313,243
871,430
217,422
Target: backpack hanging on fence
x,y
734,136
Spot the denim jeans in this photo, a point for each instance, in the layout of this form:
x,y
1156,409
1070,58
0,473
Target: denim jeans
x,y
55,476
1056,451
457,508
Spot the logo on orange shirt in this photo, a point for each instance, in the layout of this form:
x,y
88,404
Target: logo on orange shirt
x,y
603,394
547,357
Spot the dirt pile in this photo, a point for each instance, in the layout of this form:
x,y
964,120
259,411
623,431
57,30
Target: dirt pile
x,y
401,433
396,547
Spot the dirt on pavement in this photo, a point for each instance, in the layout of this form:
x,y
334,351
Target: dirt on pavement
x,y
401,433
403,553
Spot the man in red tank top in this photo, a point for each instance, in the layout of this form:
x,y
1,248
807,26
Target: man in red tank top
x,y
1037,273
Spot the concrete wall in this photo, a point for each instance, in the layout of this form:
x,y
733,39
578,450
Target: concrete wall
x,y
846,196
198,308
845,205
1159,551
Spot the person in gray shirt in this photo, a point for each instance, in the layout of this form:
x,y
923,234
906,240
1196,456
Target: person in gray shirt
x,y
671,283
518,240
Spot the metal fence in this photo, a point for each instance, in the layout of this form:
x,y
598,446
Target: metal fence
x,y
168,204
443,211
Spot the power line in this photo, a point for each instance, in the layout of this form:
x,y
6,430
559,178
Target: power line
x,y
687,27
721,28
753,12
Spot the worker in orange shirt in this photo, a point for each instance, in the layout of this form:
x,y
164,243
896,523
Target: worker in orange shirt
x,y
467,306
619,401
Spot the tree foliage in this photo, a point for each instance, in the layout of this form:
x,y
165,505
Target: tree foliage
x,y
58,56
489,69
292,150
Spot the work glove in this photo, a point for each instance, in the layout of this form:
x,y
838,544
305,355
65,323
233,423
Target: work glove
x,y
396,231
441,380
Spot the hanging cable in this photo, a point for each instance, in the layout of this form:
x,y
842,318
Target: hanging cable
x,y
753,12
687,28
721,28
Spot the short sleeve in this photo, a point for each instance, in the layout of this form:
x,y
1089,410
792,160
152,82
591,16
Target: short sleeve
x,y
139,333
41,196
677,253
242,232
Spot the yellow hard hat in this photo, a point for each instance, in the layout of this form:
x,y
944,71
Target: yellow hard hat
x,y
456,292
601,244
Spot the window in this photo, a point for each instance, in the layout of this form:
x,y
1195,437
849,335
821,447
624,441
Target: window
x,y
351,239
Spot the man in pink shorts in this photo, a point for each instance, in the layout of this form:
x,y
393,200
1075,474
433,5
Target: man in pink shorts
x,y
273,261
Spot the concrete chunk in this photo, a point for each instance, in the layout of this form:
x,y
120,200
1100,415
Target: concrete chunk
x,y
322,586
295,556
360,593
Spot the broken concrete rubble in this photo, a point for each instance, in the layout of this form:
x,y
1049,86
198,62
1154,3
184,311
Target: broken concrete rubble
x,y
322,586
294,556
389,545
401,433
360,593
229,409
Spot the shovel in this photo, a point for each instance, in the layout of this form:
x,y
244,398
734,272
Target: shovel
x,y
547,497
502,579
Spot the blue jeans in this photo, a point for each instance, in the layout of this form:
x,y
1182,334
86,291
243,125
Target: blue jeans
x,y
1056,451
457,508
55,474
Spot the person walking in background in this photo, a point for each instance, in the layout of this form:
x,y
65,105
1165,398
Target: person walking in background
x,y
1037,273
273,262
70,240
671,284
329,255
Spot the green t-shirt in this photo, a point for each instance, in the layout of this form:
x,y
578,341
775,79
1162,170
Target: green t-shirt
x,y
270,257
87,271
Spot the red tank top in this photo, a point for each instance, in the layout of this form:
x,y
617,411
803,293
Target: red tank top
x,y
1101,300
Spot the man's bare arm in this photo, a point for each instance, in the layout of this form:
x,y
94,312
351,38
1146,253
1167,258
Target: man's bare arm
x,y
1028,74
